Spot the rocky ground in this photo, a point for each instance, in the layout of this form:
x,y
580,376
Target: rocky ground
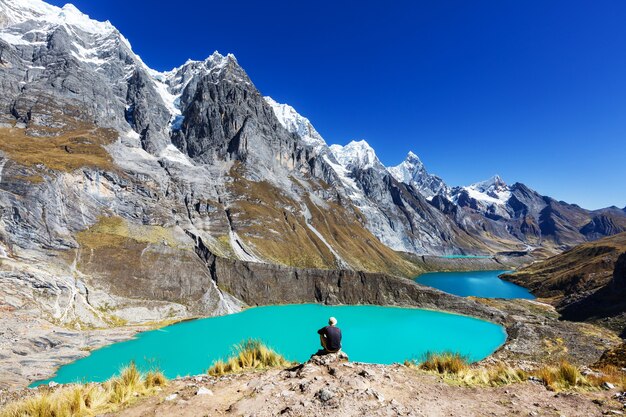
x,y
32,348
323,387
537,335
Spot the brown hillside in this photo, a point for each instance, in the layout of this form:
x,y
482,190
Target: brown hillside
x,y
586,267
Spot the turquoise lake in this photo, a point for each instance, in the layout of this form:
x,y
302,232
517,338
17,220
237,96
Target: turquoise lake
x,y
370,334
474,283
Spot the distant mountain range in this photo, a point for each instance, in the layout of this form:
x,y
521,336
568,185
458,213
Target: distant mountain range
x,y
106,162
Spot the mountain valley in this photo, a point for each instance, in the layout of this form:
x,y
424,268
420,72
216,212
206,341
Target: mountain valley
x,y
131,199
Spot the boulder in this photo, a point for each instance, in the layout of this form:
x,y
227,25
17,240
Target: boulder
x,y
325,359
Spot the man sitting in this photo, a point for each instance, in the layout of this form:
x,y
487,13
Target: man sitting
x,y
330,336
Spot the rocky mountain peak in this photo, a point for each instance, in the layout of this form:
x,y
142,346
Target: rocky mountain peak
x,y
413,172
216,66
413,163
495,183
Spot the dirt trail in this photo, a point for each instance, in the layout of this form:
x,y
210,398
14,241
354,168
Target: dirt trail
x,y
353,389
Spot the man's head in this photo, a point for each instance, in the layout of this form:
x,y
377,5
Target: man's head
x,y
332,321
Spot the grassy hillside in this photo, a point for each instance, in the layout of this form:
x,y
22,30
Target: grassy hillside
x,y
586,283
584,268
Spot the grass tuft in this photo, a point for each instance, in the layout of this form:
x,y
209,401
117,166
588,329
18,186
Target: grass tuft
x,y
445,363
454,368
563,376
494,376
155,379
90,399
249,355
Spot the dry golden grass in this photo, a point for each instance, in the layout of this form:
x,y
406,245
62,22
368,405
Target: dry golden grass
x,y
89,399
264,217
249,355
358,246
155,379
65,151
115,231
453,368
445,363
566,376
562,376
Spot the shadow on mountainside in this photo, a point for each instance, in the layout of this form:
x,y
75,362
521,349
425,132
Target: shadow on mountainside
x,y
607,304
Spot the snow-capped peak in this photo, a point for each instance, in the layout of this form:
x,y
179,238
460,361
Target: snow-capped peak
x,y
170,84
295,123
356,154
494,183
411,156
411,167
20,11
412,171
491,191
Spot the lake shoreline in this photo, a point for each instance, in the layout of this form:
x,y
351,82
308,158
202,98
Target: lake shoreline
x,y
190,347
482,284
580,341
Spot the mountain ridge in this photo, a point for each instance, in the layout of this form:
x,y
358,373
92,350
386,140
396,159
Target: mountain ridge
x,y
99,152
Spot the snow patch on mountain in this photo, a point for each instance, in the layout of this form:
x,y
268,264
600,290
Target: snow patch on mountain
x,y
173,154
291,120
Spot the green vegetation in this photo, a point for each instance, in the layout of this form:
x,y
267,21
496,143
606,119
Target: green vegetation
x,y
249,355
89,399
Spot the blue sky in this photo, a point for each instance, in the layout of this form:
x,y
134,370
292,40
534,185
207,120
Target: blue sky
x,y
532,90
